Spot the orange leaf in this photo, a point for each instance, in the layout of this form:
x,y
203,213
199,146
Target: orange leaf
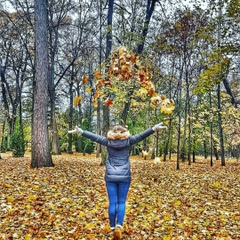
x,y
95,103
125,68
85,79
77,99
134,58
150,92
109,102
97,74
100,83
126,76
95,94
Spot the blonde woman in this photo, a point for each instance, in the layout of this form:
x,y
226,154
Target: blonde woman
x,y
118,171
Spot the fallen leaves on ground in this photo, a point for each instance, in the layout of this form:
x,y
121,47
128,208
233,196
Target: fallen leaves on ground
x,y
69,201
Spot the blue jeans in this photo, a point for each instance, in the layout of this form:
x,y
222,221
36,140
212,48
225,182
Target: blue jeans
x,y
117,195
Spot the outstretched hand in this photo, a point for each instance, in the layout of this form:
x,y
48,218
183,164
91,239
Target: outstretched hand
x,y
76,130
158,127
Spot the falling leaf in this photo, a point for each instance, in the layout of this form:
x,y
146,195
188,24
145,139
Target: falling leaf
x,y
109,102
88,90
85,79
76,101
122,50
156,100
96,94
167,106
97,74
95,103
143,91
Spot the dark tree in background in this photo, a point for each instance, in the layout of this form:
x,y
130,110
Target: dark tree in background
x,y
41,156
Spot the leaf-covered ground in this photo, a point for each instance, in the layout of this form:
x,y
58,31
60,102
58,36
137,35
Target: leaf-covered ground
x,y
69,201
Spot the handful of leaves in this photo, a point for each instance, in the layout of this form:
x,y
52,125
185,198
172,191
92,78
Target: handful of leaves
x,y
126,79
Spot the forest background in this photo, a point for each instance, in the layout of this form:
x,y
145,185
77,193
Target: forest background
x,y
99,63
190,50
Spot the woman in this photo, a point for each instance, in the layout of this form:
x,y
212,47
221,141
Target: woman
x,y
118,172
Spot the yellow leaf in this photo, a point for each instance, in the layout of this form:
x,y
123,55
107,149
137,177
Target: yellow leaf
x,y
35,187
178,203
167,237
166,218
31,197
143,91
122,50
10,198
27,237
216,184
7,185
89,225
88,90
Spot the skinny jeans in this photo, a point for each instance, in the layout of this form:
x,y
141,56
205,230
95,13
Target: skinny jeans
x,y
117,195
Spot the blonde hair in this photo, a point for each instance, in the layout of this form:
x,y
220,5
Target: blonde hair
x,y
118,132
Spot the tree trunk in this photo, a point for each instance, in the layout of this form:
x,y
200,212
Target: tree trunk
x,y
205,149
216,153
220,127
41,156
211,131
98,148
70,125
149,12
179,103
54,131
106,123
105,130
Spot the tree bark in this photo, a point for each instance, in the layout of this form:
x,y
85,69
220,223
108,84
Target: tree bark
x,y
106,122
220,127
149,12
70,121
41,156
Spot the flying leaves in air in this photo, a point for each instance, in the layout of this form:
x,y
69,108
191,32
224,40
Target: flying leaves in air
x,y
165,104
124,76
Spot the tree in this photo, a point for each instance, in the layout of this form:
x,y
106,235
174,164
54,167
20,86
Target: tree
x,y
106,121
41,156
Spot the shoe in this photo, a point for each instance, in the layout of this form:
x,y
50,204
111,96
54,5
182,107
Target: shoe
x,y
117,235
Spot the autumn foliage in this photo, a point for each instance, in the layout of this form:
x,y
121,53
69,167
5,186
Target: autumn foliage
x,y
124,79
69,201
